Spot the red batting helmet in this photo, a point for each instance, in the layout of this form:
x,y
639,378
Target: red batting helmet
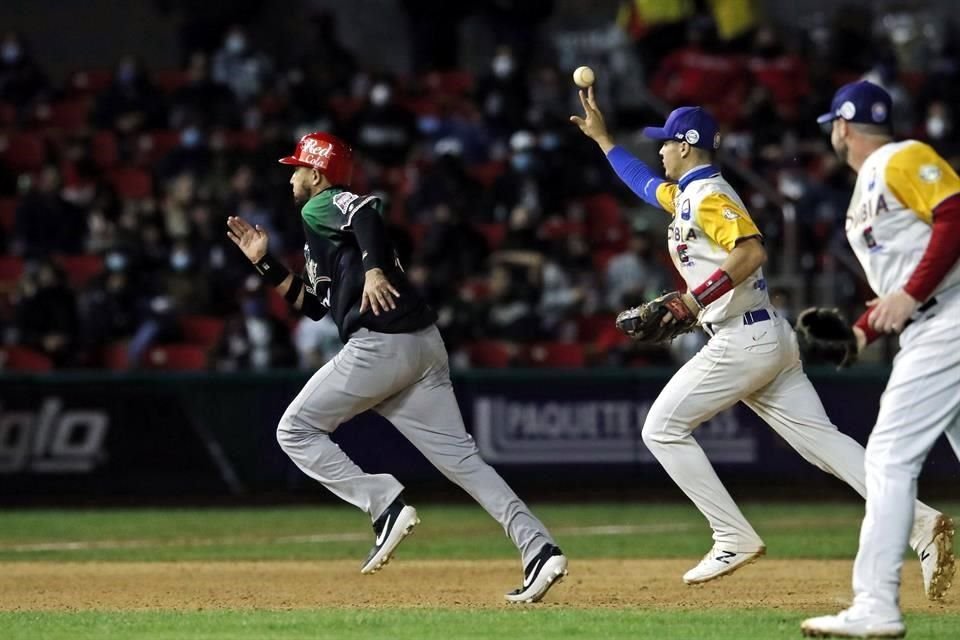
x,y
328,154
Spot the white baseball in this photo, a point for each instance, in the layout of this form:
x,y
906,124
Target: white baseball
x,y
583,77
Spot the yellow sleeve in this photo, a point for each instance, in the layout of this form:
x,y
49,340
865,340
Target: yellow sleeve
x,y
666,196
921,179
725,221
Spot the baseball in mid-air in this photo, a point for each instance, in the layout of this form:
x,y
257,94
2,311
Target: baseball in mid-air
x,y
583,77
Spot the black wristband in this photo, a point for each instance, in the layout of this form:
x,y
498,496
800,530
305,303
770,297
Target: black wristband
x,y
296,286
271,270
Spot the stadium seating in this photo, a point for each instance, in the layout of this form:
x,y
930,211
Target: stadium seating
x,y
204,331
23,359
557,354
80,270
176,357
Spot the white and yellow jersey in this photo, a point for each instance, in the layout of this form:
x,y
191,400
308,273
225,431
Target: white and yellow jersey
x,y
890,218
708,220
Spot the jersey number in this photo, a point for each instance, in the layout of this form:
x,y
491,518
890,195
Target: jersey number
x,y
682,253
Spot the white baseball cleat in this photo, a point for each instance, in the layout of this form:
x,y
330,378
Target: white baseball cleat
x,y
718,563
546,569
853,623
393,525
936,558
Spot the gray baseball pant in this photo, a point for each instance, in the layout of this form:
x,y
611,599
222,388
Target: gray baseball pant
x,y
404,377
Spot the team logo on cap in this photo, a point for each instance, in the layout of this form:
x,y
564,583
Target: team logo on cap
x,y
716,140
692,136
929,173
847,110
878,111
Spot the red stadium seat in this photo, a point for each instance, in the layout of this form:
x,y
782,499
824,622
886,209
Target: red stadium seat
x,y
8,214
155,145
11,268
104,149
201,330
81,269
115,356
241,140
487,173
23,151
491,354
558,354
169,80
601,258
14,358
131,183
176,357
68,115
90,81
589,328
8,114
494,232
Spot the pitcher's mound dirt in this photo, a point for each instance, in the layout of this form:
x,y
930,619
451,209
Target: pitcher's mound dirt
x,y
815,585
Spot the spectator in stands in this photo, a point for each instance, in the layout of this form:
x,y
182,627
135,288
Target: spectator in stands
x,y
445,183
202,100
131,103
46,316
512,314
45,223
384,130
108,308
236,65
252,338
523,183
635,274
502,94
158,325
453,249
191,156
317,342
22,83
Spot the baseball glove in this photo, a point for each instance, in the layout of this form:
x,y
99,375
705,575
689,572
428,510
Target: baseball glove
x,y
646,322
825,336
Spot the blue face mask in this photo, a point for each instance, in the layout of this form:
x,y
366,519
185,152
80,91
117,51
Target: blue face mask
x,y
522,162
10,52
180,261
190,137
115,262
254,308
549,141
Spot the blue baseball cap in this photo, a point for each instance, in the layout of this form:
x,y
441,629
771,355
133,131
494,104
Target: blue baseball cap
x,y
692,125
860,102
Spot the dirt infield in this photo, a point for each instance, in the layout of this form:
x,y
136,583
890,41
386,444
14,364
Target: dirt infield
x,y
769,584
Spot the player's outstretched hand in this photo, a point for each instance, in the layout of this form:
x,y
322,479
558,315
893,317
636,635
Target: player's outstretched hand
x,y
378,293
592,123
253,241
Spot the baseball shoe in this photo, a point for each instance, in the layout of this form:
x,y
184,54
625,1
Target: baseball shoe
x,y
393,525
853,623
936,558
545,570
718,563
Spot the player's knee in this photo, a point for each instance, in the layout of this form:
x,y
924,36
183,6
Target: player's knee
x,y
287,431
661,428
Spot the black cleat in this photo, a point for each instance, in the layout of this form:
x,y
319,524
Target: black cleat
x,y
545,570
393,525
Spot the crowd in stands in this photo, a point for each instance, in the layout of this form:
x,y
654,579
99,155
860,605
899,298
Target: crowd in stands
x,y
115,185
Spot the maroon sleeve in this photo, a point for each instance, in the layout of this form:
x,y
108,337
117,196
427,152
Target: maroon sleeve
x,y
941,253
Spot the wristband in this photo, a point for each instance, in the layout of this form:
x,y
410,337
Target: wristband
x,y
296,286
271,270
712,288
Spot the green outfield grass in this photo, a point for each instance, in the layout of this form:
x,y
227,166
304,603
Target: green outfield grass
x,y
455,532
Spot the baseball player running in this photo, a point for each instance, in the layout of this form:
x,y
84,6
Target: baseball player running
x,y
752,355
904,226
393,362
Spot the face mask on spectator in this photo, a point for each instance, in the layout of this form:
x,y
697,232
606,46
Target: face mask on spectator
x,y
180,260
254,308
549,141
236,43
10,52
126,73
190,137
115,261
502,65
379,95
521,162
936,127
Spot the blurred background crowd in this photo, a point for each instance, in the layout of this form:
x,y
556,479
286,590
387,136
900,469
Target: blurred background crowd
x,y
115,182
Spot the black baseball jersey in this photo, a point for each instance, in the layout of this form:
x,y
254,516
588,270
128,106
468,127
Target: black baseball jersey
x,y
336,266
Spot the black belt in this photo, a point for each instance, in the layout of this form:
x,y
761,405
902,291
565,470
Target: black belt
x,y
926,306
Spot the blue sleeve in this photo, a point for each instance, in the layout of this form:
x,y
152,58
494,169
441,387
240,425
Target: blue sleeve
x,y
636,175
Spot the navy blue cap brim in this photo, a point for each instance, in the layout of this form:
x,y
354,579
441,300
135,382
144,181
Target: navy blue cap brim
x,y
657,133
827,117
